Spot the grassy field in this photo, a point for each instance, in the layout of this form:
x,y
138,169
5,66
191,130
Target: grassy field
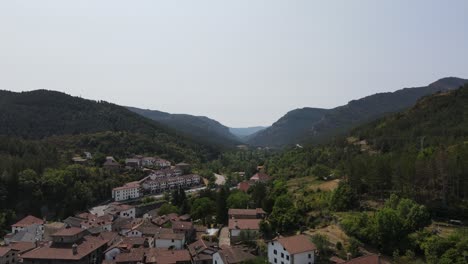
x,y
311,183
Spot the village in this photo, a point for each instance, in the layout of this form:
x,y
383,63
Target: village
x,y
126,232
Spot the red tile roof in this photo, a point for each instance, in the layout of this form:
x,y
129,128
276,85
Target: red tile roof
x,y
22,246
252,212
244,186
180,225
166,256
88,245
260,176
297,244
4,251
244,224
29,220
235,255
71,231
371,259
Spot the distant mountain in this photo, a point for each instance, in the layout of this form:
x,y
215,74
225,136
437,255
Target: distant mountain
x,y
43,114
316,125
242,132
198,127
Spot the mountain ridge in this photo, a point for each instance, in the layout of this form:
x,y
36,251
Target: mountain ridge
x,y
302,126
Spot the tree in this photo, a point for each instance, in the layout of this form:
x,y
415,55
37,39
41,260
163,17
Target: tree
x,y
203,208
258,194
238,199
343,198
167,208
221,206
284,217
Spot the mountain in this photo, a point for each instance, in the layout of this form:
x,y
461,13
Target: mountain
x,y
58,117
242,132
439,119
198,127
316,125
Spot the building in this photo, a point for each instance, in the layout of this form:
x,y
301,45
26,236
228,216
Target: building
x,y
291,250
257,213
231,255
166,238
162,163
260,177
240,229
29,220
132,163
111,164
79,160
120,210
202,251
130,190
69,245
8,255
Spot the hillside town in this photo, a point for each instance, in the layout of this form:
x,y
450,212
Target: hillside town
x,y
125,231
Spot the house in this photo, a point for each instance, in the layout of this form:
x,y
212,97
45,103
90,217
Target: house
x,y
132,163
30,233
185,167
257,213
79,160
243,228
88,155
167,256
186,228
162,163
51,228
8,255
27,221
130,190
96,224
69,245
202,251
111,164
291,250
166,238
120,210
231,255
244,185
260,177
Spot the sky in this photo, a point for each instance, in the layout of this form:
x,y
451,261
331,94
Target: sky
x,y
241,62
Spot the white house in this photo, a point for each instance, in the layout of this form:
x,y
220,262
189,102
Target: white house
x,y
291,250
130,190
24,223
250,228
169,239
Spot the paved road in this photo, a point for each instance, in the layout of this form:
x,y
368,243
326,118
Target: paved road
x,y
220,179
224,237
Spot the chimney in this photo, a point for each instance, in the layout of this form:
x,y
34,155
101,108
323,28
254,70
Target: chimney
x,y
75,249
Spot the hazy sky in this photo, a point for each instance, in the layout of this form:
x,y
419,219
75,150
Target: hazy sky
x,y
242,62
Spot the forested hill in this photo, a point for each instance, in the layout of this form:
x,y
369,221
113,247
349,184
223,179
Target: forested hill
x,y
197,127
440,119
303,125
44,114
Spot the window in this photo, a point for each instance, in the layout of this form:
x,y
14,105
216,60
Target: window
x,y
274,251
310,256
172,241
287,257
276,260
282,255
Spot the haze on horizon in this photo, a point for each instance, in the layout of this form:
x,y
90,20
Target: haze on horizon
x,y
243,63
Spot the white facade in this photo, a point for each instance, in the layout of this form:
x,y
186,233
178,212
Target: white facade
x,y
130,213
125,193
217,259
277,254
133,233
167,243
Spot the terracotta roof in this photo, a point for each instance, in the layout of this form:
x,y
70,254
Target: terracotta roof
x,y
371,259
4,251
166,256
71,231
260,176
244,186
182,225
135,255
167,233
297,244
88,245
129,185
22,246
252,212
29,220
244,224
337,260
235,254
200,246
